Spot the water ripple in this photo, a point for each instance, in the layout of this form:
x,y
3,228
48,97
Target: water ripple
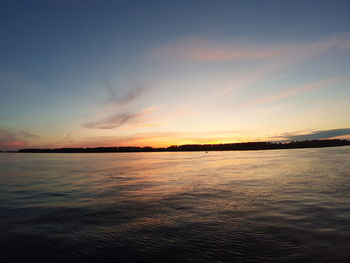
x,y
256,206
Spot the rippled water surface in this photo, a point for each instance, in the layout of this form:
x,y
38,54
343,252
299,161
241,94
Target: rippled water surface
x,y
253,206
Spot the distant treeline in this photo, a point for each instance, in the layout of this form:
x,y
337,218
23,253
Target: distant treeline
x,y
200,147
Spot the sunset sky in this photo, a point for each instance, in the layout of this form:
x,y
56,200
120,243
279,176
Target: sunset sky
x,y
84,73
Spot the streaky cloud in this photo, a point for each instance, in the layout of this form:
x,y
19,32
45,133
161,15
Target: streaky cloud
x,y
314,135
11,139
118,120
113,121
115,99
312,86
120,96
204,50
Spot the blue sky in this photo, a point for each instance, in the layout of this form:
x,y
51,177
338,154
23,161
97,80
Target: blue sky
x,y
90,73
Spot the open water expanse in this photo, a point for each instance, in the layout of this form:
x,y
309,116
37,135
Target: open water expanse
x,y
247,206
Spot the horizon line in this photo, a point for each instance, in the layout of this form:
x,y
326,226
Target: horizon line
x,y
204,147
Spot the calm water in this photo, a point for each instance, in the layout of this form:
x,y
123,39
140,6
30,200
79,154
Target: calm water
x,y
256,206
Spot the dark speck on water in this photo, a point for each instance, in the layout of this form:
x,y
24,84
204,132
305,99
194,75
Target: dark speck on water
x,y
253,206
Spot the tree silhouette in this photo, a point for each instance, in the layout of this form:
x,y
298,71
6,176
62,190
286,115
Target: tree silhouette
x,y
200,147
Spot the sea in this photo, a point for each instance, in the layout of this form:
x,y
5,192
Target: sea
x,y
228,206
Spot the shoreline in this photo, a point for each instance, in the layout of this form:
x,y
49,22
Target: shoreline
x,y
247,146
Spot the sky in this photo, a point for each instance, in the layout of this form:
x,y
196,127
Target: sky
x,y
86,73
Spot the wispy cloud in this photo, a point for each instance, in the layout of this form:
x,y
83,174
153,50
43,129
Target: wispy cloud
x,y
243,79
115,98
312,135
112,122
222,54
12,139
115,111
298,90
117,120
201,50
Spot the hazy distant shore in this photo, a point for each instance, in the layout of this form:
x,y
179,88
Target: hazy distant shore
x,y
200,147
